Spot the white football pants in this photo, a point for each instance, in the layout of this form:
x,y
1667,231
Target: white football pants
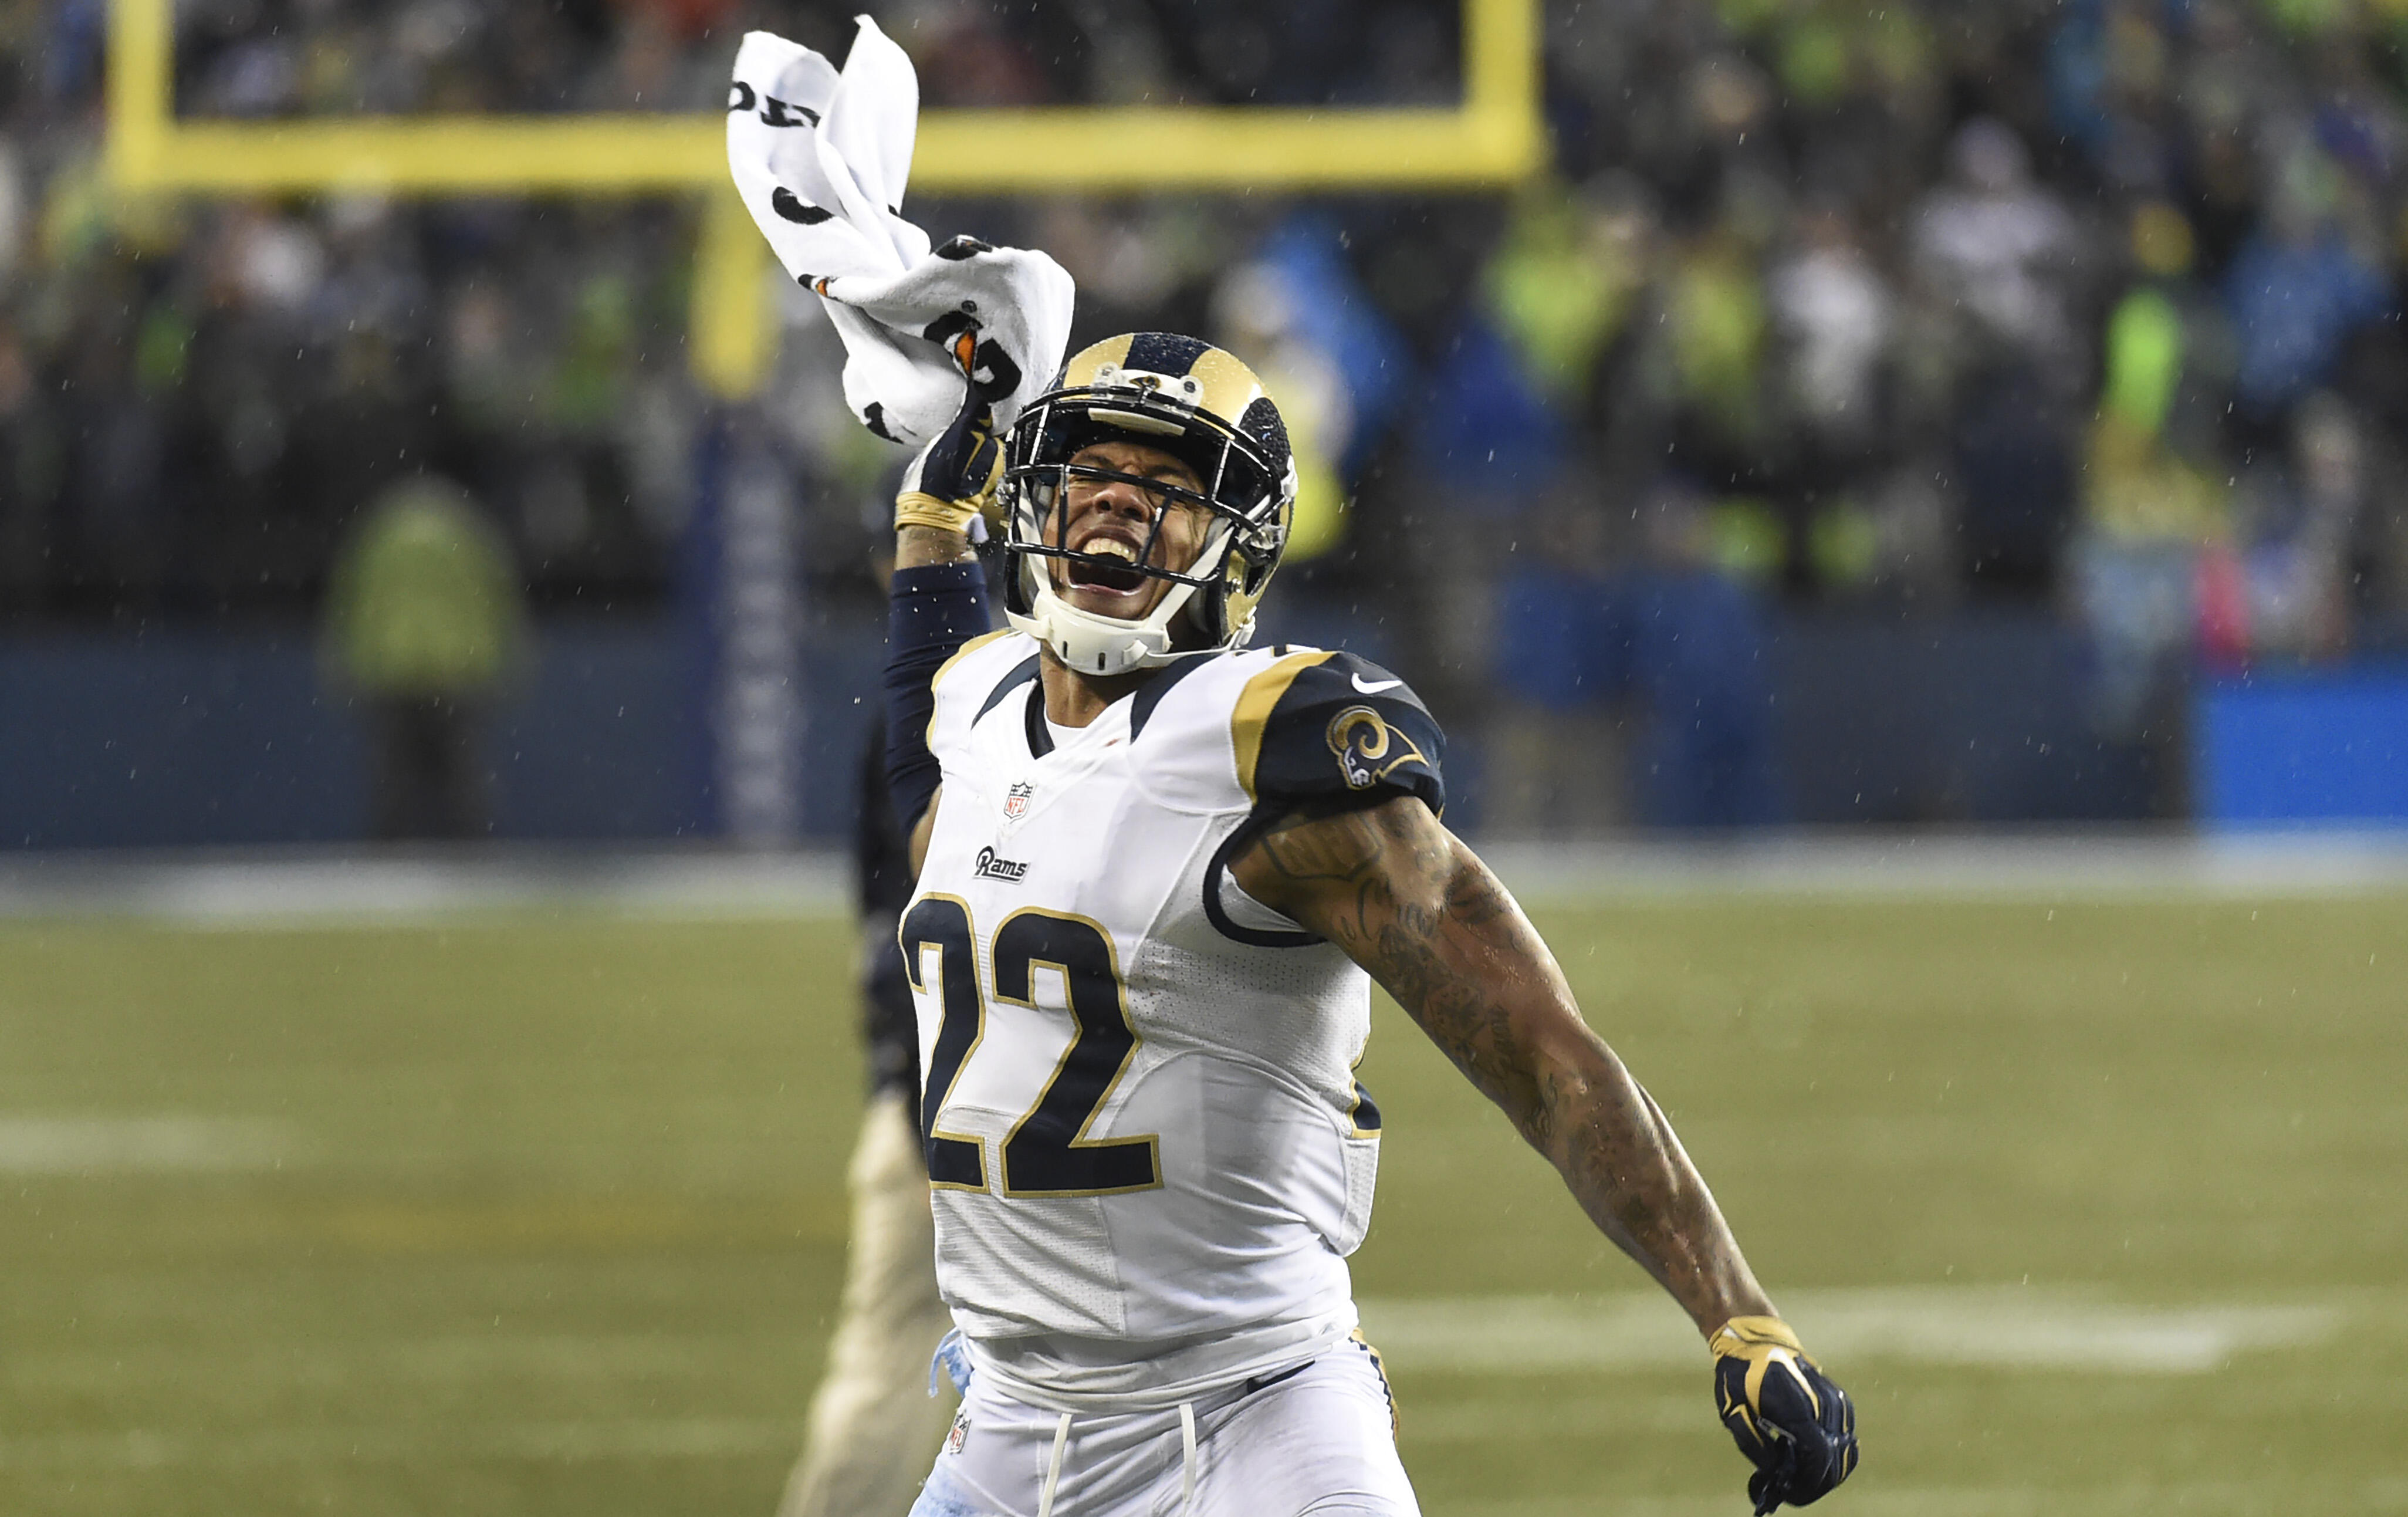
x,y
872,1423
1320,1440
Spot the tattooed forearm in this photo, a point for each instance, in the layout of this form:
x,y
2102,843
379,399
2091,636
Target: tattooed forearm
x,y
1411,905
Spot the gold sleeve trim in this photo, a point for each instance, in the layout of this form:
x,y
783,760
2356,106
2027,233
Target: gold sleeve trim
x,y
1254,711
917,508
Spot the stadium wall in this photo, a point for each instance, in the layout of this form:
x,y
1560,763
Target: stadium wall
x,y
1978,716
168,741
184,741
196,740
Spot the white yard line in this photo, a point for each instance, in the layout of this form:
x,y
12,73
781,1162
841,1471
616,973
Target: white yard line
x,y
1997,1328
85,1145
1992,1327
1518,1419
692,1437
1866,1497
336,886
2091,862
402,1362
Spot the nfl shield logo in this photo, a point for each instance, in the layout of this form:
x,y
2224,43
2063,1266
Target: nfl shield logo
x,y
1015,802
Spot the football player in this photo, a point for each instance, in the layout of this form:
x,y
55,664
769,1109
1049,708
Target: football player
x,y
1157,873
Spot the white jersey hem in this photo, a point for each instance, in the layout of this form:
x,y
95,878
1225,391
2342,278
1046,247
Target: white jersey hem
x,y
1059,1373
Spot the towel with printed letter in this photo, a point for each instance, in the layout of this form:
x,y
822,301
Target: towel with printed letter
x,y
821,158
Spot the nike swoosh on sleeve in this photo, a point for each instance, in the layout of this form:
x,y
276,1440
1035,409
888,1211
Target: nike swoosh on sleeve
x,y
1375,686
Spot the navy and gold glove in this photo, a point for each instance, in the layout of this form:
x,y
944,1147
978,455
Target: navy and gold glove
x,y
952,482
1784,1412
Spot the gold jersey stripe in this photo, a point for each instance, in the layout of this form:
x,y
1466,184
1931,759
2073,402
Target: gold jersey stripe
x,y
1254,711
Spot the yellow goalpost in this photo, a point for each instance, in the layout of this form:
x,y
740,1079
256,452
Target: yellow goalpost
x,y
1496,136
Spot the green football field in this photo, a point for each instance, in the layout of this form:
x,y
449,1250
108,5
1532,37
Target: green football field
x,y
2098,1205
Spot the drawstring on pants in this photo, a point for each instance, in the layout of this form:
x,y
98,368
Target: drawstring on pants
x,y
1186,1462
1187,1457
1053,1468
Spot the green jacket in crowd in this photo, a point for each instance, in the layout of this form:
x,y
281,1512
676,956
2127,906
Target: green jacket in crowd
x,y
425,600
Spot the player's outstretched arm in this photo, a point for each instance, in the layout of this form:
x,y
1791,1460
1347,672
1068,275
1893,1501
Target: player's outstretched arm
x,y
1411,903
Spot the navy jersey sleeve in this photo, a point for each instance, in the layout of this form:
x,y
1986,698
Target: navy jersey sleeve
x,y
1337,730
932,610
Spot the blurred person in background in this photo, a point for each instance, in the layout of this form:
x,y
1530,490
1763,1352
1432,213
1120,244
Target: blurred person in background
x,y
1258,312
2001,247
1557,764
1716,327
2292,527
1561,287
1835,316
2151,508
1563,283
1835,313
1999,253
2154,505
425,623
872,1421
2378,578
1686,640
2297,289
21,508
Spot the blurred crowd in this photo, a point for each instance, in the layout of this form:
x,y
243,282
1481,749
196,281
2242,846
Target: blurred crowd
x,y
2082,305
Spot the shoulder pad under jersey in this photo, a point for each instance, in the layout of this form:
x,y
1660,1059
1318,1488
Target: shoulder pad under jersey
x,y
1317,727
965,687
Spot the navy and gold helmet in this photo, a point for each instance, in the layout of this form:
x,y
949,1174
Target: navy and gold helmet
x,y
1197,403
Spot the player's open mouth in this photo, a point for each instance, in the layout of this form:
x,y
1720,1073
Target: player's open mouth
x,y
1087,573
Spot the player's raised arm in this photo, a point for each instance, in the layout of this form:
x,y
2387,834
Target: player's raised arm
x,y
1410,903
937,600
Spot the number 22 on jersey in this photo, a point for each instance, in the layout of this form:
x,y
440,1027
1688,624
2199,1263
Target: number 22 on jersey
x,y
1048,1152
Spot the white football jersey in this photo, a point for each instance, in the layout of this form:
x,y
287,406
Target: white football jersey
x,y
1149,1154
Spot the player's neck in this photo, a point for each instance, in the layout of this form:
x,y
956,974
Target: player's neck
x,y
1073,699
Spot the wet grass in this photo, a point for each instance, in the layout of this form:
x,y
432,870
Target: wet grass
x,y
545,1214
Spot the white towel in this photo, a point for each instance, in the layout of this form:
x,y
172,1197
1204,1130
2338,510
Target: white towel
x,y
821,159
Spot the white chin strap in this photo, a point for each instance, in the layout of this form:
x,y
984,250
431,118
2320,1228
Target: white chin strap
x,y
1101,645
1107,645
